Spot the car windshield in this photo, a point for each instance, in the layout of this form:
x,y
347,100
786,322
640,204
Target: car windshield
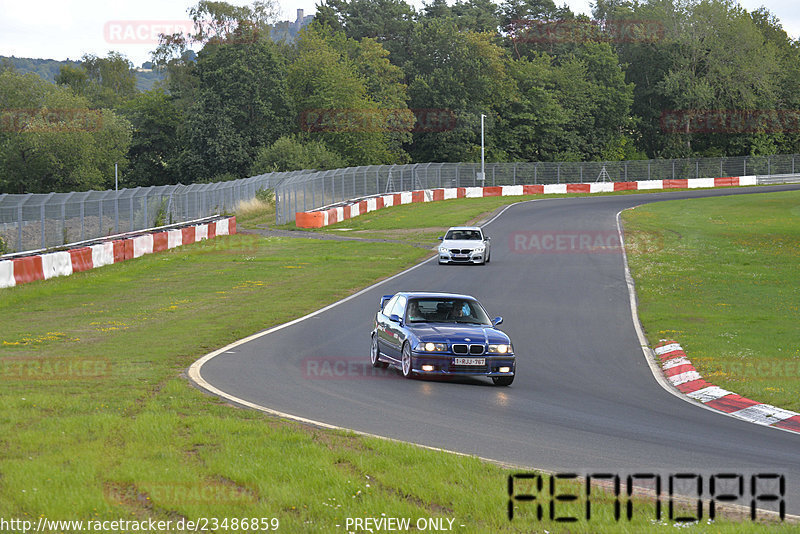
x,y
463,235
446,310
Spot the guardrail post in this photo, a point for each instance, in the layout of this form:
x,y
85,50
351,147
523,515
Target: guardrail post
x,y
82,226
19,228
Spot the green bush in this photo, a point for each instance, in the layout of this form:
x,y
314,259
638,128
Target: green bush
x,y
290,153
266,195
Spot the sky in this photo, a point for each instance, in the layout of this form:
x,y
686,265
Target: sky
x,y
67,29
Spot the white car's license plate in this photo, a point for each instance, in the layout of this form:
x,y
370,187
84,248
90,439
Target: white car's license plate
x,y
461,256
469,361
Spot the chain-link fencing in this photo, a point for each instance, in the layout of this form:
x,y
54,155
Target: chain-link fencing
x,y
41,221
312,190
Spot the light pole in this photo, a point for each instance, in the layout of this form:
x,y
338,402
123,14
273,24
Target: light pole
x,y
483,176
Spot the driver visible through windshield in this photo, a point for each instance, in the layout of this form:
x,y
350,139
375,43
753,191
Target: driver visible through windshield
x,y
463,235
446,310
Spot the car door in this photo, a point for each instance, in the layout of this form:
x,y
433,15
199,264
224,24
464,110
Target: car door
x,y
383,326
394,329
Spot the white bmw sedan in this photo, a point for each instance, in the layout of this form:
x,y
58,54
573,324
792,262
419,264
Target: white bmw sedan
x,y
465,244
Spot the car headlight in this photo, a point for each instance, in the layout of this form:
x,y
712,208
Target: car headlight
x,y
443,250
432,347
480,248
500,349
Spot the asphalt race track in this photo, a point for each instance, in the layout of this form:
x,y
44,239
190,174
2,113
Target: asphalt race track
x,y
584,399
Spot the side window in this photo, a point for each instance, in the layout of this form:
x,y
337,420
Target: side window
x,y
387,308
399,308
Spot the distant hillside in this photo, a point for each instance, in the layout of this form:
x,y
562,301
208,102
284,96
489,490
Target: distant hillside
x,y
48,69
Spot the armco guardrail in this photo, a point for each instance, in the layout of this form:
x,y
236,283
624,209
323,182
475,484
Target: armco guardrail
x,y
313,190
42,221
347,210
44,266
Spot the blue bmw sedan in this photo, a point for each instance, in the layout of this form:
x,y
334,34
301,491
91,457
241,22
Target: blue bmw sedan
x,y
441,334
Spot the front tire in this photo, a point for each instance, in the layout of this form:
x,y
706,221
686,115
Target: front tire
x,y
374,354
503,380
406,361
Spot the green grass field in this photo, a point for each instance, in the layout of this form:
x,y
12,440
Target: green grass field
x,y
98,422
722,277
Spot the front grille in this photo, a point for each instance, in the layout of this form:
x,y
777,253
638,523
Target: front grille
x,y
476,349
460,251
460,348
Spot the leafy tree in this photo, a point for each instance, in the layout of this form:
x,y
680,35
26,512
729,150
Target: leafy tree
x,y
289,153
241,104
156,140
463,73
327,86
52,141
104,81
389,22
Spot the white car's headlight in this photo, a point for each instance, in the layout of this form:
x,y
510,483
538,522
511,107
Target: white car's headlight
x,y
480,248
500,349
432,347
443,250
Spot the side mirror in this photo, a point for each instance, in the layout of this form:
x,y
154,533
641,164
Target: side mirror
x,y
487,238
441,238
496,321
395,318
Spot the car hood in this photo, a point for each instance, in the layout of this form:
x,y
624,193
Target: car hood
x,y
458,333
461,243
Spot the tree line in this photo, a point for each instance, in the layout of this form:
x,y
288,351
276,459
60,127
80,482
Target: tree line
x,y
379,82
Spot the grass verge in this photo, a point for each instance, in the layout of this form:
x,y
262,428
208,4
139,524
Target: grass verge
x,y
98,424
720,275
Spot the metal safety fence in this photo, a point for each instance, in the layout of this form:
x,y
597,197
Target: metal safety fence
x,y
312,190
41,221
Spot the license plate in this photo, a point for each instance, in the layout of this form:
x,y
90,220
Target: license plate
x,y
460,256
469,361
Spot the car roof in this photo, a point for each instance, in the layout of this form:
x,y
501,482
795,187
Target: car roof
x,y
464,228
426,294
